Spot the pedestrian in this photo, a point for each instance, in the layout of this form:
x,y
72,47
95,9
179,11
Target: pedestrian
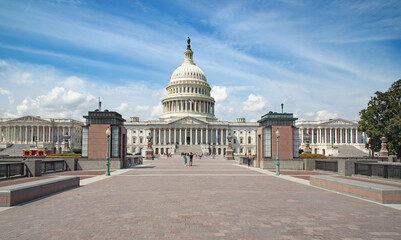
x,y
249,160
191,156
185,159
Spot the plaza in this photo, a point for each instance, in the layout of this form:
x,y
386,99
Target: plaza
x,y
214,199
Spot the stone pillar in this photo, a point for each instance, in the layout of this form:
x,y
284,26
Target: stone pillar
x,y
154,135
383,151
346,167
207,135
165,136
33,167
196,136
185,136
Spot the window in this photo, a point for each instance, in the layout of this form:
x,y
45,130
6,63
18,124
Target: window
x,y
134,140
249,140
140,139
267,148
234,141
240,140
140,132
134,131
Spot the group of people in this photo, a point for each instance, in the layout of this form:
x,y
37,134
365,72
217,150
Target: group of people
x,y
168,155
186,156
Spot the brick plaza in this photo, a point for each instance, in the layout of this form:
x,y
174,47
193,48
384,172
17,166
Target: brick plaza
x,y
214,199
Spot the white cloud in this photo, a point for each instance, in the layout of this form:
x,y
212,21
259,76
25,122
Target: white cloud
x,y
8,94
156,111
309,114
141,108
122,108
325,115
219,93
254,103
74,82
58,103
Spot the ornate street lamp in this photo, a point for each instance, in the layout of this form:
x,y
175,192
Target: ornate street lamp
x,y
108,133
277,157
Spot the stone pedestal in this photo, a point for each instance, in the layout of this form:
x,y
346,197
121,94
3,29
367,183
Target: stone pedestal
x,y
33,167
149,153
229,154
383,152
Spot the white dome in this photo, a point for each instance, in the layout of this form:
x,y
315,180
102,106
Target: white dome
x,y
188,71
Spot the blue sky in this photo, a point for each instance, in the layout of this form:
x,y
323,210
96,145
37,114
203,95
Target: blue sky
x,y
322,59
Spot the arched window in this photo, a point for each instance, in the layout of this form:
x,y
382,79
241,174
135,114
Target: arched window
x,y
249,140
140,139
241,140
134,140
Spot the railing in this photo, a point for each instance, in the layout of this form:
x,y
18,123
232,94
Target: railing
x,y
133,161
8,170
53,166
327,165
378,170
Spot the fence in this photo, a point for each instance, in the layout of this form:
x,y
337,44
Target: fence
x,y
53,166
8,170
378,170
327,165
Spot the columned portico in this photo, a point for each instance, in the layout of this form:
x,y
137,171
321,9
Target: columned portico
x,y
327,135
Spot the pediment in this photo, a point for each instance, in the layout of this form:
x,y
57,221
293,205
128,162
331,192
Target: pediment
x,y
28,119
339,122
188,121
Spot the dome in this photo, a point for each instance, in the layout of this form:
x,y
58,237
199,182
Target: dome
x,y
188,71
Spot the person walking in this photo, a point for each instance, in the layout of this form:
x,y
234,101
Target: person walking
x,y
191,156
185,159
249,160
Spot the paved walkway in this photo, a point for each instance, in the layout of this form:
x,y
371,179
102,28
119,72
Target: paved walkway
x,y
214,199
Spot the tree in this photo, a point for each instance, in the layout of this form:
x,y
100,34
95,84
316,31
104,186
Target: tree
x,y
382,117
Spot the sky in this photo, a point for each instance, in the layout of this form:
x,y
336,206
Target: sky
x,y
321,59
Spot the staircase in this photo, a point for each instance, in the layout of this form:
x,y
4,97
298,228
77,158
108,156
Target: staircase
x,y
188,148
350,151
15,150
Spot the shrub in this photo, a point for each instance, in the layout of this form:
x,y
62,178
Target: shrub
x,y
64,155
312,155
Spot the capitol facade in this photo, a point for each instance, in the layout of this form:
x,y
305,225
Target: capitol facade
x,y
188,122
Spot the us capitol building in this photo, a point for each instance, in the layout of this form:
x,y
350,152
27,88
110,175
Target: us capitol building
x,y
188,123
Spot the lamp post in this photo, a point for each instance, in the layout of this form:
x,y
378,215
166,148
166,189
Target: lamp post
x,y
108,132
277,157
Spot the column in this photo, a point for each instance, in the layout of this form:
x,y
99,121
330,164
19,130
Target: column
x,y
216,135
191,136
207,135
202,137
164,136
175,136
20,134
196,136
185,135
221,137
313,136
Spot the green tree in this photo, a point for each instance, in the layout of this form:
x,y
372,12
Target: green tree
x,y
382,117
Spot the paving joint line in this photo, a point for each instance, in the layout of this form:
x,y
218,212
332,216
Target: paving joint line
x,y
306,182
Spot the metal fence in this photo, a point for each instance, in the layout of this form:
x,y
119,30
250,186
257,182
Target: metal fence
x,y
53,166
326,165
378,170
8,170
